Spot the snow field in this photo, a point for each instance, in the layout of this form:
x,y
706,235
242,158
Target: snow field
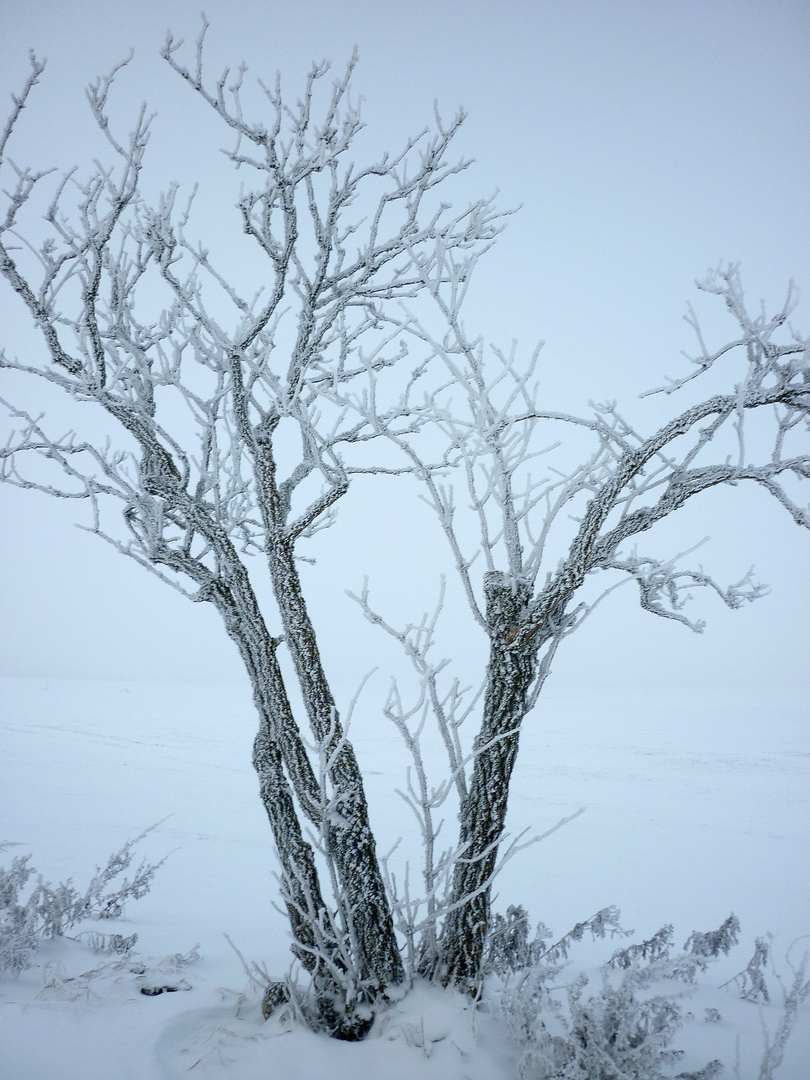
x,y
696,805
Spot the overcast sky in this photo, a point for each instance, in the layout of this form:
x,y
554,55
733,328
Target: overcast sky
x,y
644,142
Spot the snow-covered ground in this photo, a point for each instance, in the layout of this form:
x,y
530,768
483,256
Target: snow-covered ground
x,y
695,806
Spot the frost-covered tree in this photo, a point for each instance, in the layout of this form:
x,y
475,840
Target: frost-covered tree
x,y
236,418
552,542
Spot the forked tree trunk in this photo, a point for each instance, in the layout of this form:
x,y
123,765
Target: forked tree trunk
x,y
275,747
286,777
347,831
509,674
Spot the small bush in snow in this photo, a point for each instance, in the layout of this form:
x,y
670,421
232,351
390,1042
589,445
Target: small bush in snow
x,y
18,923
622,1029
751,982
711,944
50,910
508,946
113,944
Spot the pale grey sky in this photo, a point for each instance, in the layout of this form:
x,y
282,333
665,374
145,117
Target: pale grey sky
x,y
645,142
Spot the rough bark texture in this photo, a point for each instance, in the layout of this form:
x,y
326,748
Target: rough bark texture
x,y
277,745
286,777
348,832
482,815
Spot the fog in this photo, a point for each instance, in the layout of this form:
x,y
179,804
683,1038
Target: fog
x,y
643,143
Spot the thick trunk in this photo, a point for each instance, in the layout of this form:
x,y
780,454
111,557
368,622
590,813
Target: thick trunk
x,y
278,754
301,890
348,832
349,836
277,745
509,673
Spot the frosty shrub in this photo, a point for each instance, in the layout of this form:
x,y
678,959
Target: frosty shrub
x,y
710,945
793,996
50,910
624,1028
508,945
752,986
751,982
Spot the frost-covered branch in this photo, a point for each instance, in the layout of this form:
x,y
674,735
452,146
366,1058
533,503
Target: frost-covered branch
x,y
544,532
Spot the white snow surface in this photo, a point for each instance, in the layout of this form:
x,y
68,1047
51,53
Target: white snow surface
x,y
696,806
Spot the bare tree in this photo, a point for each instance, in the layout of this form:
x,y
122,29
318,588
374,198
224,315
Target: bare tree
x,y
545,534
200,402
239,421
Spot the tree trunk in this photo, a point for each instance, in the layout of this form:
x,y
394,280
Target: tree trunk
x,y
280,759
348,834
510,671
277,745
